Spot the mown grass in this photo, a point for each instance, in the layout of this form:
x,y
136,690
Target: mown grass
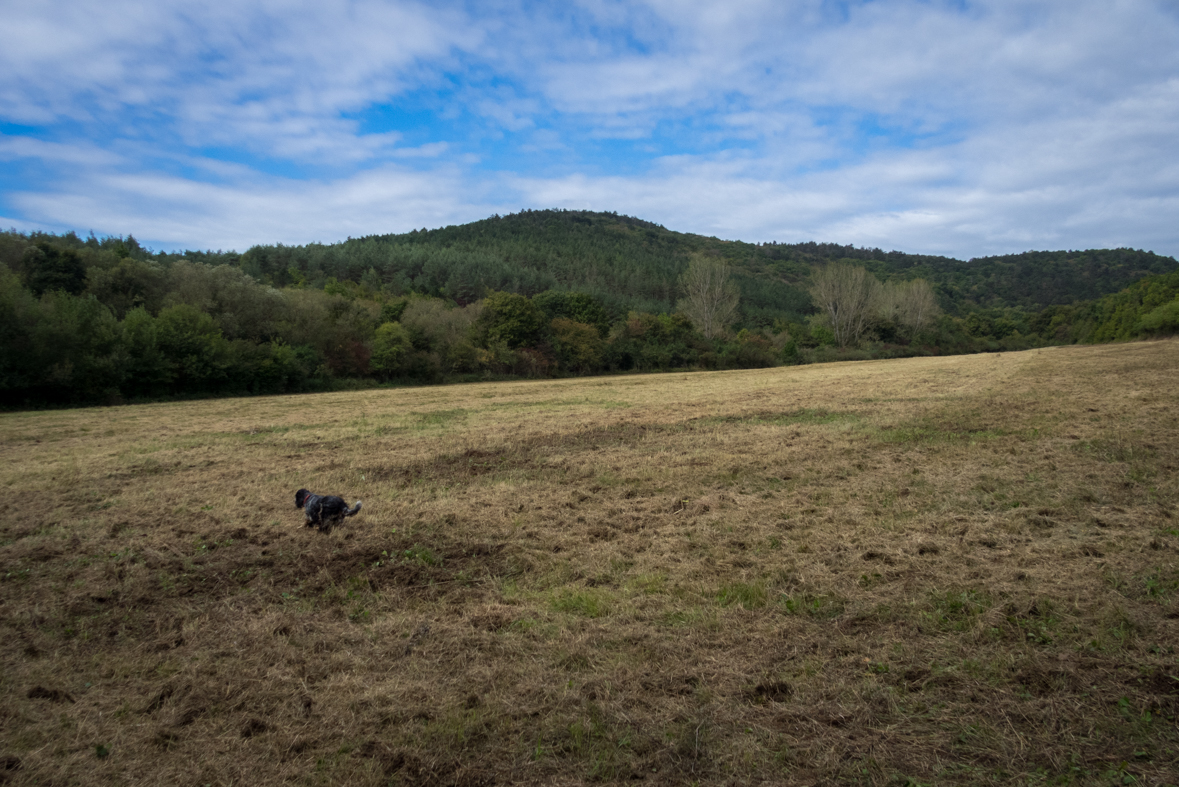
x,y
926,571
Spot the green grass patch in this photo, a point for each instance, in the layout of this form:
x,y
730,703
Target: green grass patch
x,y
749,595
586,603
421,554
956,610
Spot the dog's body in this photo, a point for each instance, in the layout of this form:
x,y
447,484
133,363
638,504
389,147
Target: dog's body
x,y
323,511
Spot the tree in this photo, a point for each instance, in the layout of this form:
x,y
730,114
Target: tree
x,y
20,365
77,342
511,319
1163,321
847,296
49,268
909,304
576,306
391,348
710,298
149,371
129,284
578,346
194,347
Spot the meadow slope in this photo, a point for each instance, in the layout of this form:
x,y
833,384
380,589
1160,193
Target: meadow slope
x,y
956,570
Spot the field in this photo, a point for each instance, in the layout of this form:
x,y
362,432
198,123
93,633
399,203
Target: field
x,y
955,570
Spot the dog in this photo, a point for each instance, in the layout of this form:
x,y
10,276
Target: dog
x,y
323,511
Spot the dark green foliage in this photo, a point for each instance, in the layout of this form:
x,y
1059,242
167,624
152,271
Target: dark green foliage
x,y
49,268
578,346
627,264
1030,281
1037,279
535,293
511,319
196,353
1123,315
1162,321
18,310
128,285
59,348
575,306
624,263
391,350
392,311
645,342
149,371
750,351
765,299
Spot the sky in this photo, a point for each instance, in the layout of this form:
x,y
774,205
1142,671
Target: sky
x,y
948,127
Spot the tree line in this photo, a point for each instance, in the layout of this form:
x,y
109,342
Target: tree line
x,y
105,320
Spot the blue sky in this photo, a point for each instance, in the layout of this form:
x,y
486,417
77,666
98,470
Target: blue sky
x,y
929,126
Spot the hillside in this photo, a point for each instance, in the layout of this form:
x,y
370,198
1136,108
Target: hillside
x,y
631,264
534,294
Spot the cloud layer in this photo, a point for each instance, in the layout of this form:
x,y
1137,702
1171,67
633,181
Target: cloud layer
x,y
961,128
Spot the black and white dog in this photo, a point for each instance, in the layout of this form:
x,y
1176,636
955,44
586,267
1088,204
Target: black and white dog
x,y
323,511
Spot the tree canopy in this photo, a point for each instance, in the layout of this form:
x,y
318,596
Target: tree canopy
x,y
535,293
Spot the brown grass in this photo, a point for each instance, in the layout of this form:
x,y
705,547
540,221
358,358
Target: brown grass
x,y
952,570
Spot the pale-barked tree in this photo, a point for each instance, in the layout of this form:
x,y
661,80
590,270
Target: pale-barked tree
x,y
710,297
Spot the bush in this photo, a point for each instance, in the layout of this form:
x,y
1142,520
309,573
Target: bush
x,y
391,349
511,319
1162,321
577,346
436,326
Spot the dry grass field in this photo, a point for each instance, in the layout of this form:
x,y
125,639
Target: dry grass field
x,y
927,571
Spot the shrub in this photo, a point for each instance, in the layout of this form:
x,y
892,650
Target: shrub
x,y
391,349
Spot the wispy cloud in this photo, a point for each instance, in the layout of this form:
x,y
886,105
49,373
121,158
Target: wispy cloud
x,y
962,127
266,77
236,216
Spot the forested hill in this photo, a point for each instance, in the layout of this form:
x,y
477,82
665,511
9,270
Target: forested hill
x,y
633,265
537,293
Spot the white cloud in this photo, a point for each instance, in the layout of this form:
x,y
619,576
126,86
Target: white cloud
x,y
271,77
84,154
173,212
923,125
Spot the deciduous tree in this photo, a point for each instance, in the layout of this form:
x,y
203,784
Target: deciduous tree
x,y
391,349
847,297
710,298
909,304
511,319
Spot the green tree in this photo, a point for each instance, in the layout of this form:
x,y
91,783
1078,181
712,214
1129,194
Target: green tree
x,y
49,268
19,313
445,330
1161,321
195,349
511,319
578,346
391,311
575,306
149,372
243,308
391,349
78,347
129,284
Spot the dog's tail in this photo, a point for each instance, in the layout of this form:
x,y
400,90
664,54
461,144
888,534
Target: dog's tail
x,y
351,511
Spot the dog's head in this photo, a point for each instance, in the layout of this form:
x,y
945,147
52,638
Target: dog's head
x,y
300,496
